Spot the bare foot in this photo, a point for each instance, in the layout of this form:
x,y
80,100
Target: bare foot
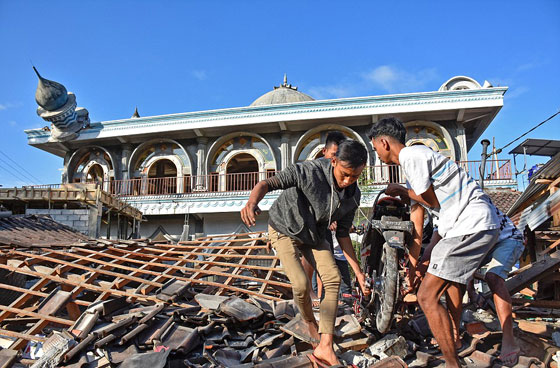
x,y
510,353
325,353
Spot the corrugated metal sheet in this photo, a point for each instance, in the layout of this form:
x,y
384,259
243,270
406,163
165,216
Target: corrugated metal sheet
x,y
550,170
542,212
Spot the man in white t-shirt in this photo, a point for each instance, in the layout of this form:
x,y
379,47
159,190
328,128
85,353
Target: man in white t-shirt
x,y
468,224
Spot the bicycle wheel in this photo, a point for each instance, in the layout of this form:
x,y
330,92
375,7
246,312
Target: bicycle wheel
x,y
385,303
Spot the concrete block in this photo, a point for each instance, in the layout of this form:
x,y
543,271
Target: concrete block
x,y
60,218
79,223
84,218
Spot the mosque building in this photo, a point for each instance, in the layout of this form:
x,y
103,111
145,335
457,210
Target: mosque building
x,y
191,173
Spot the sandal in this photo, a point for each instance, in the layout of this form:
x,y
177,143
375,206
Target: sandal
x,y
320,363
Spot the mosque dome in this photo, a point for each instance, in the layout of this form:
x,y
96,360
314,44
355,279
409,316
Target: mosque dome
x,y
286,93
50,95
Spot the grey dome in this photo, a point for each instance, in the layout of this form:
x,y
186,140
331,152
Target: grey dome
x,y
50,95
286,93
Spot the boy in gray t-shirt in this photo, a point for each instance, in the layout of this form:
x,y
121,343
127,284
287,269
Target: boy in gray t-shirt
x,y
468,224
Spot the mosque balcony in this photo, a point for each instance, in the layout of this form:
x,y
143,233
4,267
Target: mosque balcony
x,y
220,193
497,173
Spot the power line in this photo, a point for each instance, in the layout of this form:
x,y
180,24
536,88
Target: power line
x,y
34,178
21,175
529,131
15,176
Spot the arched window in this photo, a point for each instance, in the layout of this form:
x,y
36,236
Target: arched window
x,y
91,165
95,174
312,147
160,167
239,162
431,135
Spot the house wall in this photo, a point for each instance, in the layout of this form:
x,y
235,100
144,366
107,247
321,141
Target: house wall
x,y
78,219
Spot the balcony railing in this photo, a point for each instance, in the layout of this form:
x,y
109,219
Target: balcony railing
x,y
215,183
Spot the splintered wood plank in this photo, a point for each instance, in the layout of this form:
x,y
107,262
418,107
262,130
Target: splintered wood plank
x,y
25,312
118,283
195,271
19,335
533,272
192,260
227,236
37,293
129,294
90,269
235,271
89,287
268,276
170,271
55,301
550,247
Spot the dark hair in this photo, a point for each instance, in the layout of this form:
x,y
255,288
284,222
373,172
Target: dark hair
x,y
390,127
353,153
334,137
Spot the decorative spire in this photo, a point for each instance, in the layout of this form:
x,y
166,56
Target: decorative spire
x,y
136,114
50,95
285,84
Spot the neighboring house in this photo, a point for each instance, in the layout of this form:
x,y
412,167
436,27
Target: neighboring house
x,y
190,173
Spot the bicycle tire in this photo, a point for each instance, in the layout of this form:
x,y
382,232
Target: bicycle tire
x,y
385,305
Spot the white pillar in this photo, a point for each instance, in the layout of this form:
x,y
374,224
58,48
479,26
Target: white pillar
x,y
285,150
201,178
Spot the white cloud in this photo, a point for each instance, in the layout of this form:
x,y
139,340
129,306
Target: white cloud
x,y
386,78
324,92
199,74
516,92
394,80
9,105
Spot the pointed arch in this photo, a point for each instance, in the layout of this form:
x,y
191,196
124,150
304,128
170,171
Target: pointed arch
x,y
83,159
138,165
267,160
430,134
313,147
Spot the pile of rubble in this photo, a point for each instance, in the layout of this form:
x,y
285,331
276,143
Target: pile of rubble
x,y
220,301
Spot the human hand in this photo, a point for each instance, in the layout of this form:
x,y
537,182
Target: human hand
x,y
249,213
332,227
396,190
361,277
421,269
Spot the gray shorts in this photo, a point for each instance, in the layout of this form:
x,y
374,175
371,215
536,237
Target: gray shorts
x,y
456,259
503,257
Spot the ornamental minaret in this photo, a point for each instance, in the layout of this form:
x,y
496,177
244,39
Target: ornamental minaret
x,y
58,106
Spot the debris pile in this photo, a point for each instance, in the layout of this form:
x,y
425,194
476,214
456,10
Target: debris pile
x,y
219,301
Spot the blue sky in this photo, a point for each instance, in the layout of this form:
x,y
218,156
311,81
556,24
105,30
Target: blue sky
x,y
178,56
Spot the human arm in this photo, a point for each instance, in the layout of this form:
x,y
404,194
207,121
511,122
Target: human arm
x,y
251,209
350,255
417,218
428,198
424,262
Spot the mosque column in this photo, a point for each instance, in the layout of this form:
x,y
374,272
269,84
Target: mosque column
x,y
125,161
64,175
201,178
285,150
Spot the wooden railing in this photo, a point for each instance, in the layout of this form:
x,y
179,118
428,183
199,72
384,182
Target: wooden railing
x,y
216,183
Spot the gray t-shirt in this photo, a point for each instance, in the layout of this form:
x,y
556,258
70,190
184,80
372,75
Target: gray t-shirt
x,y
464,207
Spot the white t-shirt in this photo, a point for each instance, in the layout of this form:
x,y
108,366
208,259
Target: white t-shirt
x,y
464,207
337,250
